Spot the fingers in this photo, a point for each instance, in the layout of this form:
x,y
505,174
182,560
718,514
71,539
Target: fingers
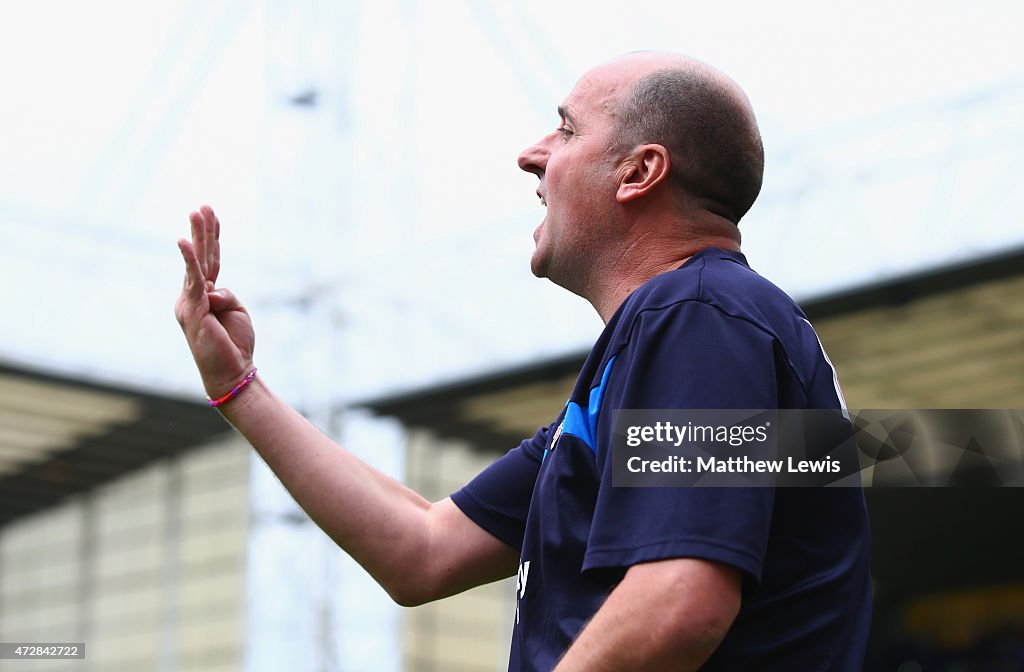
x,y
202,266
199,239
195,283
212,244
205,239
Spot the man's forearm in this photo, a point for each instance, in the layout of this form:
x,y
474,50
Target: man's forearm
x,y
416,550
402,539
668,615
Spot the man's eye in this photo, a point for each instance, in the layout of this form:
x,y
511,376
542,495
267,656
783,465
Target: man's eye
x,y
564,131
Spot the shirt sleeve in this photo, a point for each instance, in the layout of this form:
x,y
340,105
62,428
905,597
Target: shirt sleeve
x,y
498,499
690,355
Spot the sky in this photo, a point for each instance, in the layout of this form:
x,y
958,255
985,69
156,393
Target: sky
x,y
381,235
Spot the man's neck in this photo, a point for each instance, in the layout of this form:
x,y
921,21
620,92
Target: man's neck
x,y
640,263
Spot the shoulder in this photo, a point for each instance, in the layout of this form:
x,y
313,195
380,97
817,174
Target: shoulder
x,y
720,280
716,309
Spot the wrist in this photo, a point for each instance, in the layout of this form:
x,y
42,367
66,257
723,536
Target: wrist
x,y
236,390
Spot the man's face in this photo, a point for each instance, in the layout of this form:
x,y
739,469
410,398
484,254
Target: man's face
x,y
576,167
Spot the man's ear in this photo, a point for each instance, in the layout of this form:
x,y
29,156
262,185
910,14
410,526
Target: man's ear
x,y
642,171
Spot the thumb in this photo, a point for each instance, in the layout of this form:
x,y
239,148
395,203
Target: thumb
x,y
223,299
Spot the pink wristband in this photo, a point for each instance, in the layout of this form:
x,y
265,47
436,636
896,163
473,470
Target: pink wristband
x,y
234,391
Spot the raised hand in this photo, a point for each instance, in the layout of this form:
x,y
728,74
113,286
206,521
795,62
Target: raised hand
x,y
216,325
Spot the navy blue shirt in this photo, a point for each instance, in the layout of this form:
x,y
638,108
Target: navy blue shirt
x,y
710,334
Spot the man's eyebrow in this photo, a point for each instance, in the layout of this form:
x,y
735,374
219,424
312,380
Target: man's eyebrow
x,y
564,114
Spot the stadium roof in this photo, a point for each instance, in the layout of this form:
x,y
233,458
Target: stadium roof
x,y
59,437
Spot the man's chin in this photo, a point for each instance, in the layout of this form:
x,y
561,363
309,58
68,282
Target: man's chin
x,y
538,265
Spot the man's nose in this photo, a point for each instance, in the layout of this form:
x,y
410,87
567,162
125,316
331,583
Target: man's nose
x,y
534,159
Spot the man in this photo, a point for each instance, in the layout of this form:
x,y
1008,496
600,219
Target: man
x,y
655,161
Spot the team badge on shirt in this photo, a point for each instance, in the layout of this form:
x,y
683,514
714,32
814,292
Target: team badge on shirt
x,y
554,440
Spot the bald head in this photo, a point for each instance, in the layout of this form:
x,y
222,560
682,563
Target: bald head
x,y
705,122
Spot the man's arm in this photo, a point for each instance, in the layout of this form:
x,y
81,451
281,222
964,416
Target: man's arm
x,y
663,615
416,550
